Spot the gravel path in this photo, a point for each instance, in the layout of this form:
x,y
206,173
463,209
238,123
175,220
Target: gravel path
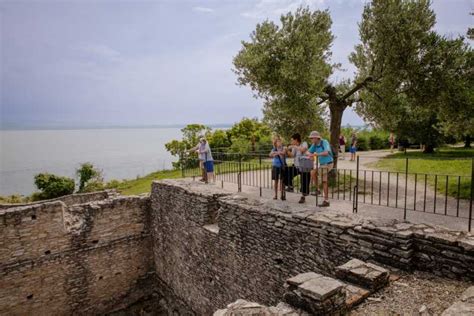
x,y
416,293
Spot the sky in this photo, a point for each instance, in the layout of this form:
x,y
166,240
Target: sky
x,y
104,62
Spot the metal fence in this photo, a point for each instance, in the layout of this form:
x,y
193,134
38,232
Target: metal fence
x,y
448,195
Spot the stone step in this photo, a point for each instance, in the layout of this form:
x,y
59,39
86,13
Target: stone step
x,y
366,275
316,294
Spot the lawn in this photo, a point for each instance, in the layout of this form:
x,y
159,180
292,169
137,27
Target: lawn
x,y
452,163
143,184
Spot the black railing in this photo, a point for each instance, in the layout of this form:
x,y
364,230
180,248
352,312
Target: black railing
x,y
449,195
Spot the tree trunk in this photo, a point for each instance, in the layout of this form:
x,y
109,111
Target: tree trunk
x,y
336,110
429,149
467,141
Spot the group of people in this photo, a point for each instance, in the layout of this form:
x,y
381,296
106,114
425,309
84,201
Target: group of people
x,y
352,148
310,163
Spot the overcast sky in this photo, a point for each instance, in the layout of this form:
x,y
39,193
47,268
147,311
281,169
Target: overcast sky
x,y
151,62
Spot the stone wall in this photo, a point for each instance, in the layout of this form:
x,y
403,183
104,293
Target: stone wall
x,y
85,259
71,199
212,247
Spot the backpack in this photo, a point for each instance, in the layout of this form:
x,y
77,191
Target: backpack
x,y
330,151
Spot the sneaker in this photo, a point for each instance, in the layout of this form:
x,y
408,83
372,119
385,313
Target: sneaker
x,y
290,189
324,204
302,200
317,192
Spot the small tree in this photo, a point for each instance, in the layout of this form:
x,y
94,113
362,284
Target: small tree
x,y
53,186
190,139
88,174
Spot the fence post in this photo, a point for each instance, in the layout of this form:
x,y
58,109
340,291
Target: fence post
x,y
356,189
316,159
239,177
406,189
260,173
181,161
472,195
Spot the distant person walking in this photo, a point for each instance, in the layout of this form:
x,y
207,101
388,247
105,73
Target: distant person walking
x,y
302,165
353,148
278,155
342,146
321,150
391,140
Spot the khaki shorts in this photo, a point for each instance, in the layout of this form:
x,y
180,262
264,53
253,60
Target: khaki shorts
x,y
323,170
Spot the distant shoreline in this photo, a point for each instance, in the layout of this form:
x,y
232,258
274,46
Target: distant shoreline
x,y
71,128
54,128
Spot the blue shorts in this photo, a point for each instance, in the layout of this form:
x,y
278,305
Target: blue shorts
x,y
353,150
209,165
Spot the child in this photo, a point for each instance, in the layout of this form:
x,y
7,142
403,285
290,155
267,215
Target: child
x,y
278,154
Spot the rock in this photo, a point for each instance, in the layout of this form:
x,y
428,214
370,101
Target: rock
x,y
367,275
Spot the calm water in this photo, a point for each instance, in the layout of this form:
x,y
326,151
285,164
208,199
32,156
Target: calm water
x,y
120,153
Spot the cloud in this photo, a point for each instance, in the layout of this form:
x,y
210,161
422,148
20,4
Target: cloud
x,y
266,8
203,9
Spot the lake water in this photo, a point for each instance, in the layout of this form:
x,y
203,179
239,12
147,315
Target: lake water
x,y
120,153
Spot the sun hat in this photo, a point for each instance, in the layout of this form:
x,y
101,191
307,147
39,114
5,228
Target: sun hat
x,y
314,134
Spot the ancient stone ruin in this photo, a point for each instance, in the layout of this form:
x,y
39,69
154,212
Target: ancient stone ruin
x,y
192,249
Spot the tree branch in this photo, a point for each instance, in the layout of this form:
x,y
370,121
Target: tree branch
x,y
324,99
357,87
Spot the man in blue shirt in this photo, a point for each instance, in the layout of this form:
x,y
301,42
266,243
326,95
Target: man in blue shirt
x,y
321,151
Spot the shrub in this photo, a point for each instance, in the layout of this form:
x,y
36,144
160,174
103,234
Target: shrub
x,y
53,186
362,144
93,186
10,199
377,142
113,184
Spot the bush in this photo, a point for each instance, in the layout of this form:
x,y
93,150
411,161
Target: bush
x,y
113,184
93,186
53,186
362,144
10,199
377,142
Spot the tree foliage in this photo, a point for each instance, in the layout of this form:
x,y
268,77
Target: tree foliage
x,y
249,134
288,66
53,186
422,81
88,174
404,69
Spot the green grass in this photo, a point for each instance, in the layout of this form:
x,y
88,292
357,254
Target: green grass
x,y
452,162
143,184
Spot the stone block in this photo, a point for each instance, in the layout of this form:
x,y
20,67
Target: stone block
x,y
316,294
367,275
355,295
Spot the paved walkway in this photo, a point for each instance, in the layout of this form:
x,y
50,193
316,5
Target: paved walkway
x,y
380,193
